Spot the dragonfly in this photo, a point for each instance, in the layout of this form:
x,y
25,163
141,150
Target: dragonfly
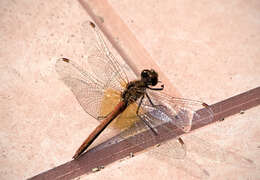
x,y
103,89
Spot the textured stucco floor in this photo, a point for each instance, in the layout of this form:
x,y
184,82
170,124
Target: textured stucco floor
x,y
210,50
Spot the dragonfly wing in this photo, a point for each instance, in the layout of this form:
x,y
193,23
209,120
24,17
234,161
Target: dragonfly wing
x,y
101,60
180,112
97,81
163,110
172,149
88,90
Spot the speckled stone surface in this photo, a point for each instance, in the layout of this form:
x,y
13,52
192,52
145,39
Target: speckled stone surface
x,y
208,49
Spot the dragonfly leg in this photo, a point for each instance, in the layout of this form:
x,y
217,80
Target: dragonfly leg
x,y
149,125
156,89
146,122
149,99
139,105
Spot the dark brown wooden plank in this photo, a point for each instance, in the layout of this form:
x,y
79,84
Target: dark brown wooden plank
x,y
111,151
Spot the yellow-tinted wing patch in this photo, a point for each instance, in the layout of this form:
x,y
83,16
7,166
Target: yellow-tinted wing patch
x,y
110,99
127,118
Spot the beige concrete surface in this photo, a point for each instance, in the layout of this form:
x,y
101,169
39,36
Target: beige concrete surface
x,y
208,49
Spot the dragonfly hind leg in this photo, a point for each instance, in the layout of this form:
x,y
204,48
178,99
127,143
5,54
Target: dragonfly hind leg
x,y
139,105
149,99
144,120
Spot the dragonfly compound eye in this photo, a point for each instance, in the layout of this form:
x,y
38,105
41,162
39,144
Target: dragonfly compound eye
x,y
154,81
145,73
154,77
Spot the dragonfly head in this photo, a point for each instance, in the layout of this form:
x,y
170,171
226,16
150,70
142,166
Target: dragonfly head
x,y
150,77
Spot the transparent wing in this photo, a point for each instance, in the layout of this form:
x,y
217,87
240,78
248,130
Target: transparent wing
x,y
163,110
167,109
101,60
202,157
88,90
178,111
98,78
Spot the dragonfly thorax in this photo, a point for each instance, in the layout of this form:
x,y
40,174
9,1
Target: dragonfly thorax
x,y
136,89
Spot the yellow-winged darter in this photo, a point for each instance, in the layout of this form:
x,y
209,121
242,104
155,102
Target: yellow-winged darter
x,y
108,95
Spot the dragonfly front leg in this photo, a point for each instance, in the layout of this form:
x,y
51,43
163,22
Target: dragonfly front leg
x,y
157,89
